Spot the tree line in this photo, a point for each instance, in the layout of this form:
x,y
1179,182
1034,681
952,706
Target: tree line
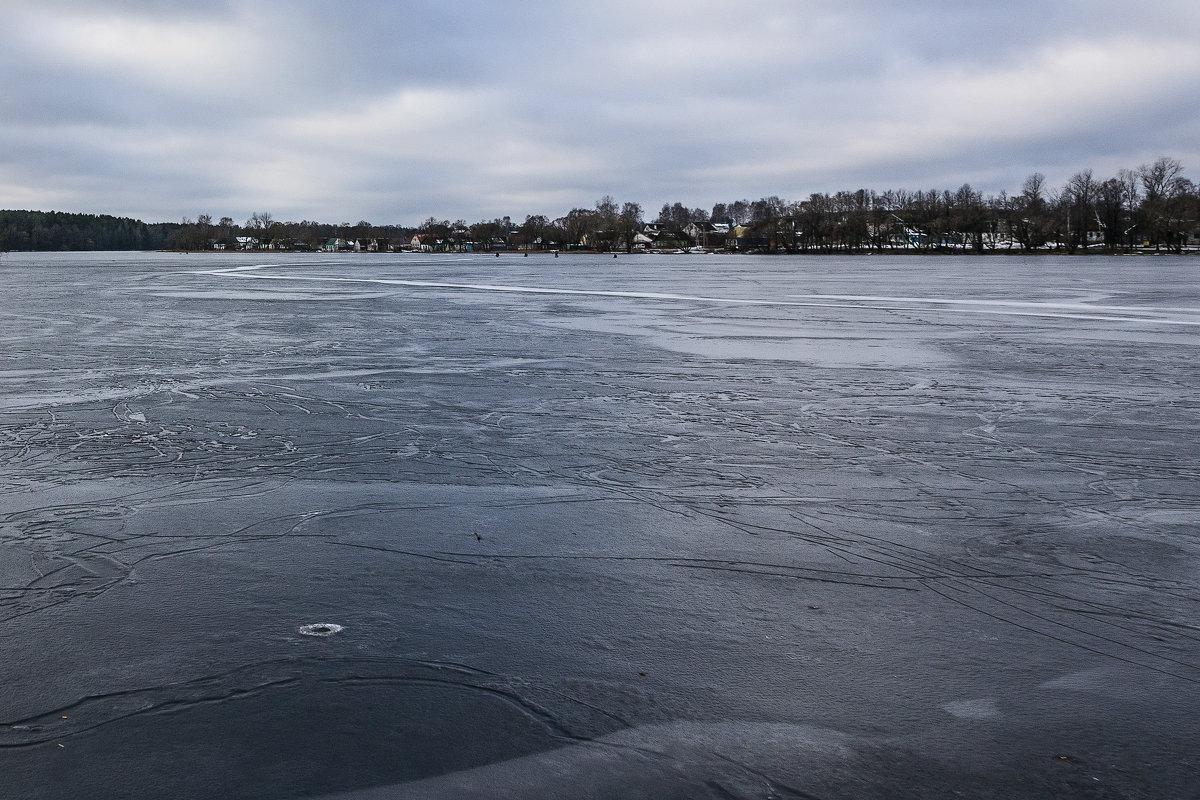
x,y
1154,206
54,230
263,228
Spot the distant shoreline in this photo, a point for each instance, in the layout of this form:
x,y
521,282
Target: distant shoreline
x,y
1000,252
933,253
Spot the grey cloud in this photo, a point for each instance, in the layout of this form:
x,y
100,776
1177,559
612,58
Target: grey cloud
x,y
392,112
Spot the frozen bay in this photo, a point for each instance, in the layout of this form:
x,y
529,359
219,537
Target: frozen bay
x,y
677,526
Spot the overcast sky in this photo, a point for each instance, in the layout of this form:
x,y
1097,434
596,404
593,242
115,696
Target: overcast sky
x,y
396,111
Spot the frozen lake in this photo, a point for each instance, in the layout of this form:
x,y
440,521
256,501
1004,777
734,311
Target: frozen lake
x,y
679,526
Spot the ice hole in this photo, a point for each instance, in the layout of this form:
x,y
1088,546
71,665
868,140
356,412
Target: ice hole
x,y
321,629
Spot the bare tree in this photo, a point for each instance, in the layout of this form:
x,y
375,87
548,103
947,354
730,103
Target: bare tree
x,y
1111,213
676,216
577,225
1160,179
629,223
260,223
739,212
969,217
1164,187
534,230
1079,197
1032,223
1131,188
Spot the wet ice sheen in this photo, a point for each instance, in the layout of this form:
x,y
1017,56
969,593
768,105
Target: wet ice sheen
x,y
671,526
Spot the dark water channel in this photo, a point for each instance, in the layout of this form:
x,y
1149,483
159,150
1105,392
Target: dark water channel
x,y
690,526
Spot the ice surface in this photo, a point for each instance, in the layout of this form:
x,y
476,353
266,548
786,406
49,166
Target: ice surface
x,y
685,526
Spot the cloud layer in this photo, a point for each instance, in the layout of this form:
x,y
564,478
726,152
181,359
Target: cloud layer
x,y
392,112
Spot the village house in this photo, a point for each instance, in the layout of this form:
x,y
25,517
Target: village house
x,y
707,234
375,245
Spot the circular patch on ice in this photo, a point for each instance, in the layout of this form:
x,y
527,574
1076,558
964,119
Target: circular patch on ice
x,y
321,629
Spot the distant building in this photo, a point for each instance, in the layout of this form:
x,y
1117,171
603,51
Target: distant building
x,y
707,234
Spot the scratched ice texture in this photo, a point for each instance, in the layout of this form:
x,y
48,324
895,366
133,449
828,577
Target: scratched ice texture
x,y
678,526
